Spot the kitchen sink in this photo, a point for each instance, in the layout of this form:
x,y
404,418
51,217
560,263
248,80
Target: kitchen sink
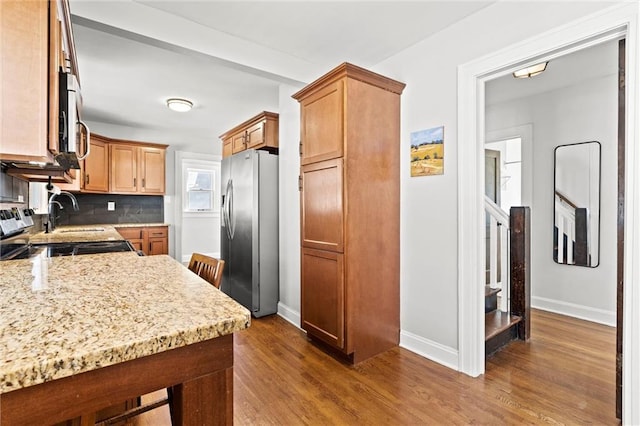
x,y
82,230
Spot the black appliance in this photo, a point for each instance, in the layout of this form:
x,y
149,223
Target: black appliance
x,y
25,251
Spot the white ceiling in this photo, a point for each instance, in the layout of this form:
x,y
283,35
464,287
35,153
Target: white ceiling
x,y
230,57
575,68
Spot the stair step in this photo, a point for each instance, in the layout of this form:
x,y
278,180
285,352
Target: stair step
x,y
497,321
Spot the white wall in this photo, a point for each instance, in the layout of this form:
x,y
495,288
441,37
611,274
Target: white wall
x,y
289,207
429,299
579,113
197,232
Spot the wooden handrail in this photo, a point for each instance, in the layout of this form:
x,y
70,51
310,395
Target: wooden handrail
x,y
565,199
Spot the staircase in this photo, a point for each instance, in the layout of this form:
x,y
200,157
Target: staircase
x,y
507,291
499,327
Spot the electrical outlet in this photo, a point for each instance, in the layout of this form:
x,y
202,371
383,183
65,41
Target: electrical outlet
x,y
111,206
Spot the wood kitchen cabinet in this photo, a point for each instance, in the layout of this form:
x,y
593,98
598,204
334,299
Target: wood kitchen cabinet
x,y
350,211
151,240
36,39
124,168
137,169
95,168
93,176
259,132
24,94
119,166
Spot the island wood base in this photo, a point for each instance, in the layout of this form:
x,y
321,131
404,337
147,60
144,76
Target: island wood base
x,y
201,375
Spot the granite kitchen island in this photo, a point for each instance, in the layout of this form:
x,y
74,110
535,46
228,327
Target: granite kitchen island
x,y
81,333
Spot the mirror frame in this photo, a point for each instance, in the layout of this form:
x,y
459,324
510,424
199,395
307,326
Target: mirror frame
x,y
599,206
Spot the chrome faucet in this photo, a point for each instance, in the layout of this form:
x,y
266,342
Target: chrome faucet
x,y
52,200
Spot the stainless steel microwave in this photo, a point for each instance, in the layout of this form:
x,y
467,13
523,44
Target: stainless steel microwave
x,y
72,131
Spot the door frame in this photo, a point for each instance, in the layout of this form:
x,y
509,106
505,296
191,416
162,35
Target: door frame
x,y
608,24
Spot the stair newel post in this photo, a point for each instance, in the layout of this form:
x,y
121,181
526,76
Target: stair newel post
x,y
520,262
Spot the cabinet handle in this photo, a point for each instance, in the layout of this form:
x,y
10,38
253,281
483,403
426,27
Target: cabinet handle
x,y
86,179
300,148
134,181
143,182
300,183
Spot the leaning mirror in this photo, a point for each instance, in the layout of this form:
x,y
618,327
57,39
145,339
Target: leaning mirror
x,y
576,226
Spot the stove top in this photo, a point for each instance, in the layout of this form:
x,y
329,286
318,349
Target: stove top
x,y
25,251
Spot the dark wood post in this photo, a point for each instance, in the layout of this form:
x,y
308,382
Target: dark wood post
x,y
520,261
581,254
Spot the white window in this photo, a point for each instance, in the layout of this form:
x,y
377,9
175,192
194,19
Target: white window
x,y
199,190
200,187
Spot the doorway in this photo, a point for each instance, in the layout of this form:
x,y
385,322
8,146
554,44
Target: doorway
x,y
588,32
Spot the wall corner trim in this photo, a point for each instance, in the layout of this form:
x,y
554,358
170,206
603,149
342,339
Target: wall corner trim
x,y
288,314
429,349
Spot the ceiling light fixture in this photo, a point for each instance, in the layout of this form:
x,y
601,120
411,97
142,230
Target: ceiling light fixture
x,y
531,71
180,105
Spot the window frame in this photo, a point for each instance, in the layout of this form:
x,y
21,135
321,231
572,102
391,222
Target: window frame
x,y
212,167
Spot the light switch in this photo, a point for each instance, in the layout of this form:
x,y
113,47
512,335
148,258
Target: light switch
x,y
111,206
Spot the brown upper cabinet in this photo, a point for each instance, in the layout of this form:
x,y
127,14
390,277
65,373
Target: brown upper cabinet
x,y
322,124
259,132
121,167
37,40
95,168
137,169
350,214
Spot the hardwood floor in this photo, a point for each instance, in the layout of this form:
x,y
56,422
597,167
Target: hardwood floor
x,y
564,375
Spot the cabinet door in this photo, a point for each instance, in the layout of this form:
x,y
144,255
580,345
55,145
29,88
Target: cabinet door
x,y
134,236
158,246
255,135
322,293
238,142
24,80
55,62
227,149
322,205
157,240
96,167
124,168
322,124
151,170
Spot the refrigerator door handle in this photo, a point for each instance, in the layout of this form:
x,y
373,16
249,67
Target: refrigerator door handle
x,y
230,214
225,210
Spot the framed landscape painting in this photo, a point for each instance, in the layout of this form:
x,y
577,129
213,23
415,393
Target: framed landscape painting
x,y
427,152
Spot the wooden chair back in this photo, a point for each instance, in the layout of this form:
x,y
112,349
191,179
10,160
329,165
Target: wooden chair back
x,y
207,267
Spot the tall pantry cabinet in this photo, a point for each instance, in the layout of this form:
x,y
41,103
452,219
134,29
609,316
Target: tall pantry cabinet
x,y
350,210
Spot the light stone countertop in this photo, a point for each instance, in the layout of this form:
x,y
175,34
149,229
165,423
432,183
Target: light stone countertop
x,y
77,234
137,225
61,316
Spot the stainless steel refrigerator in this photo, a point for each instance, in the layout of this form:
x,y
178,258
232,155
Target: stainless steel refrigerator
x,y
249,231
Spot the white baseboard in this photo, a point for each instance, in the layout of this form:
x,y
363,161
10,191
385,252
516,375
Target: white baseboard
x,y
289,314
429,349
578,311
424,347
187,257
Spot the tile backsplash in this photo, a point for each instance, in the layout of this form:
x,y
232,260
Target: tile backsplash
x,y
13,190
128,209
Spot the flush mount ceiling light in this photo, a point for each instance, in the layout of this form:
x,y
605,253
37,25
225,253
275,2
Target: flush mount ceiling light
x,y
531,71
180,105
